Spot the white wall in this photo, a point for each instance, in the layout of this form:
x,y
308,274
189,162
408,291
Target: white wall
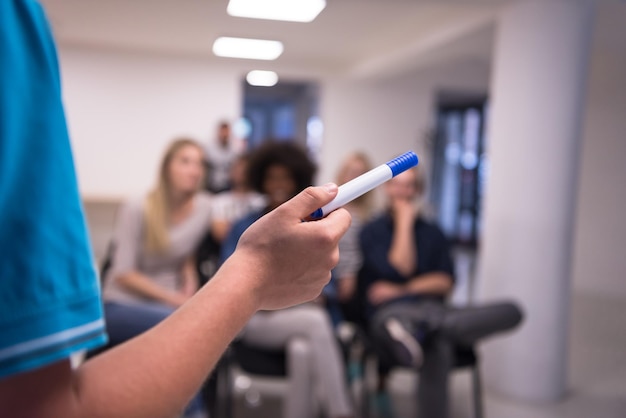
x,y
123,109
600,246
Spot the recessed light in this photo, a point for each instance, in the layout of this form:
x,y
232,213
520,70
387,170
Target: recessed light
x,y
262,78
258,49
289,10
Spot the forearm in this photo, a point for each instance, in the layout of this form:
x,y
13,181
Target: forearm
x,y
142,285
219,230
436,283
153,375
402,253
164,367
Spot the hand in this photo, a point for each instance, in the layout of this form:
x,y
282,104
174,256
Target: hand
x,y
403,210
383,291
288,261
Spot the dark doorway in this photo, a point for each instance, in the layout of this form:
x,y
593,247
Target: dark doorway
x,y
281,112
460,166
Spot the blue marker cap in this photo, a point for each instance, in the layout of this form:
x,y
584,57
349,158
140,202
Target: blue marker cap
x,y
402,163
319,213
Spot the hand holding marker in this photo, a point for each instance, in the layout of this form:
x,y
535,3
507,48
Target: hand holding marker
x,y
366,182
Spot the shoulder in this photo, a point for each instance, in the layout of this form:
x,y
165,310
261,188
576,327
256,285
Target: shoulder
x,y
428,226
376,228
133,205
430,231
204,199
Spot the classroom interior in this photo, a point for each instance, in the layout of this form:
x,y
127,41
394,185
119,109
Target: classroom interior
x,y
539,88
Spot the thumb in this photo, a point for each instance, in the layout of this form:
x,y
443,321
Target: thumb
x,y
309,200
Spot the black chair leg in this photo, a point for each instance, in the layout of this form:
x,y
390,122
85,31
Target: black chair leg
x,y
432,393
477,391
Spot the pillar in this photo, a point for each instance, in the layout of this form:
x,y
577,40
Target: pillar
x,y
537,103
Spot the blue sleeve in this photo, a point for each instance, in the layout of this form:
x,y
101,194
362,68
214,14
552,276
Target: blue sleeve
x,y
50,301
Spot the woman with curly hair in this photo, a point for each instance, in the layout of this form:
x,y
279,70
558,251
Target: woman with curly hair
x,y
280,170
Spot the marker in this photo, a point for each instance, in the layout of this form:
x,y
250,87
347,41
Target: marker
x,y
367,181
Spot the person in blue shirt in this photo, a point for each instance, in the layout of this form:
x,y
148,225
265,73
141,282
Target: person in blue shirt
x,y
50,303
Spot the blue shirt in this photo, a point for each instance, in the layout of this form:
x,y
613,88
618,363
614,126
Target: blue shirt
x,y
49,296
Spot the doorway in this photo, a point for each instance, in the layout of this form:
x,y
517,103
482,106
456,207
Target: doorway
x,y
460,166
286,111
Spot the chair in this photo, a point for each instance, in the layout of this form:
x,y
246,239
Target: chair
x,y
259,362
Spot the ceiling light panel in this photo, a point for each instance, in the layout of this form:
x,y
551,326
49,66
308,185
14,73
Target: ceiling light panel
x,y
288,10
258,49
262,78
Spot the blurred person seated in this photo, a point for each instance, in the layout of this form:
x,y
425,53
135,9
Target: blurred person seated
x,y
227,207
339,293
279,170
234,204
219,154
406,279
152,270
406,262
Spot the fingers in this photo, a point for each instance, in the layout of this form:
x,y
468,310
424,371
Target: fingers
x,y
310,199
338,221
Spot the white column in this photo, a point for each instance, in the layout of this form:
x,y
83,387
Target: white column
x,y
537,103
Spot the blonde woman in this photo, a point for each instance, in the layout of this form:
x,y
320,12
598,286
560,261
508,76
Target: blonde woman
x,y
152,270
340,292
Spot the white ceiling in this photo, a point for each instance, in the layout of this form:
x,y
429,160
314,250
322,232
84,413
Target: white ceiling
x,y
363,38
353,37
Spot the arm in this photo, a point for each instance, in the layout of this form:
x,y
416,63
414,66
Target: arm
x,y
433,283
219,229
280,261
402,253
143,285
438,280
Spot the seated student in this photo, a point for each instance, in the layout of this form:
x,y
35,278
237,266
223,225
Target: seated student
x,y
227,207
340,291
152,269
407,275
280,170
234,204
406,263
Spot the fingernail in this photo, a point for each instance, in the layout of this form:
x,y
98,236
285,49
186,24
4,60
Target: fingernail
x,y
330,187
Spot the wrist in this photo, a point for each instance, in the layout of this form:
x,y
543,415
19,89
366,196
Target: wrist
x,y
240,277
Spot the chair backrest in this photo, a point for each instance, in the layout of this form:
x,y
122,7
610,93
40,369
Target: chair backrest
x,y
107,261
259,361
207,258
